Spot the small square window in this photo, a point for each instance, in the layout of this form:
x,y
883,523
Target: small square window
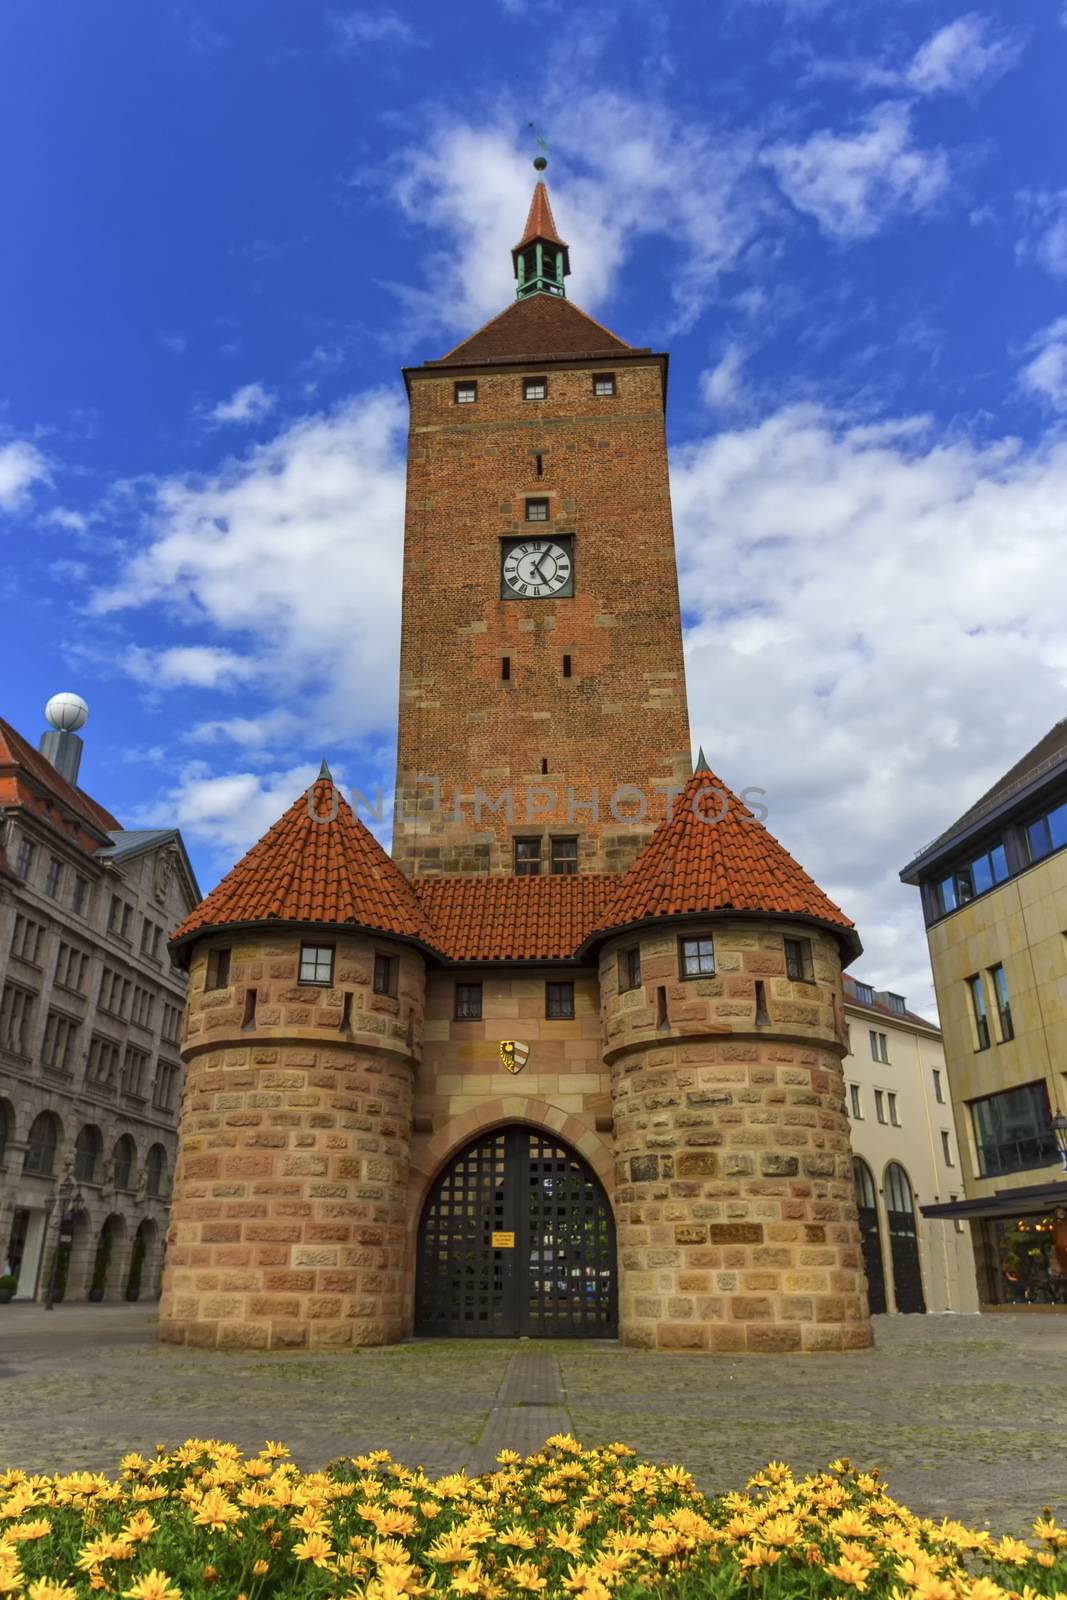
x,y
630,968
466,392
537,510
697,958
468,1002
527,858
559,1001
603,383
535,388
565,856
798,961
385,974
316,963
218,969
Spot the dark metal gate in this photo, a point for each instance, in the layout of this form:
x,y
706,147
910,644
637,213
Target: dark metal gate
x,y
870,1235
517,1237
903,1240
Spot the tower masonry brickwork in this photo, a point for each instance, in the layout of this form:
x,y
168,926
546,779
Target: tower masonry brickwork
x,y
568,1063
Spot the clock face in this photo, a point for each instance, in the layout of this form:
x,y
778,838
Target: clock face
x,y
537,569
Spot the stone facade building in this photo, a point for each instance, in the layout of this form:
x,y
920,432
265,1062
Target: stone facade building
x,y
906,1156
568,1063
90,1024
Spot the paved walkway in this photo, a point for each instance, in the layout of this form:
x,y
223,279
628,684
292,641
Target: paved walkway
x,y
966,1415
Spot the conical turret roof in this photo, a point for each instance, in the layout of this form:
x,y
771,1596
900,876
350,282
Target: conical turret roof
x,y
540,223
317,864
713,855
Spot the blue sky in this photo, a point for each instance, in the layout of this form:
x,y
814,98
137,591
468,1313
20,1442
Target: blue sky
x,y
228,224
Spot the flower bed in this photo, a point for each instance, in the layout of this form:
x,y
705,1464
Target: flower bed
x,y
205,1521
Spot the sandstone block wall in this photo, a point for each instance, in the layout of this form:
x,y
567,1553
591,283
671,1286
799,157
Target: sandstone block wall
x,y
620,717
288,1226
734,1193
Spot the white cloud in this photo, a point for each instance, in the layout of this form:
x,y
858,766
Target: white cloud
x,y
21,466
854,184
227,813
188,666
1046,240
356,28
873,637
290,555
64,517
250,403
1045,374
961,55
631,170
176,343
723,385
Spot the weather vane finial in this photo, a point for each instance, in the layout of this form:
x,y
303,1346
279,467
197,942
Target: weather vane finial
x,y
540,159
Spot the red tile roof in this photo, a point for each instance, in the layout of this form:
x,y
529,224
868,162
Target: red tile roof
x,y
514,919
544,327
25,772
540,223
318,864
712,855
333,872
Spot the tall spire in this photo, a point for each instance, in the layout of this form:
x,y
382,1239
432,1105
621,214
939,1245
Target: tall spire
x,y
541,258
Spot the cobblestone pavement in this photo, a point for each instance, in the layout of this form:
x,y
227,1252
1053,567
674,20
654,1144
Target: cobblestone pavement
x,y
965,1414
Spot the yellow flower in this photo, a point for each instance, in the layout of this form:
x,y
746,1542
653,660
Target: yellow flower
x,y
567,1540
451,1549
272,1451
39,1529
214,1510
520,1537
46,1589
142,1525
524,1575
1012,1550
509,1458
155,1585
316,1547
854,1573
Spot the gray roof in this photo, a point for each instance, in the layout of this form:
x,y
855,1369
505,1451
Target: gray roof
x,y
131,841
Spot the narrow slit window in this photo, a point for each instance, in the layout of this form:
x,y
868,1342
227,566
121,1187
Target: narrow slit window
x,y
505,668
249,1018
346,1013
544,766
762,1014
539,465
566,666
661,1006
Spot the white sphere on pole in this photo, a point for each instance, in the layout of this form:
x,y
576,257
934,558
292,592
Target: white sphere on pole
x,y
67,712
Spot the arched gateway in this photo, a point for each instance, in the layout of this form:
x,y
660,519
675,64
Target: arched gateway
x,y
516,1238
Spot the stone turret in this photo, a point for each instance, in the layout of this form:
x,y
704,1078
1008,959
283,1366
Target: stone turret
x,y
304,1026
722,1007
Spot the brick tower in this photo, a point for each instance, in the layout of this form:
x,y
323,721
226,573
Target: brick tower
x,y
541,642
570,1063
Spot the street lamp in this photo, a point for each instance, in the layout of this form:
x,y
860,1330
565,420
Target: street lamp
x,y
70,1203
1059,1128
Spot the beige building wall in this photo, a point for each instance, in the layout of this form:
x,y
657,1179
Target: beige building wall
x,y
1021,925
914,1133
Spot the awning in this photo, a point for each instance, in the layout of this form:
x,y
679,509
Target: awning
x,y
1005,1202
